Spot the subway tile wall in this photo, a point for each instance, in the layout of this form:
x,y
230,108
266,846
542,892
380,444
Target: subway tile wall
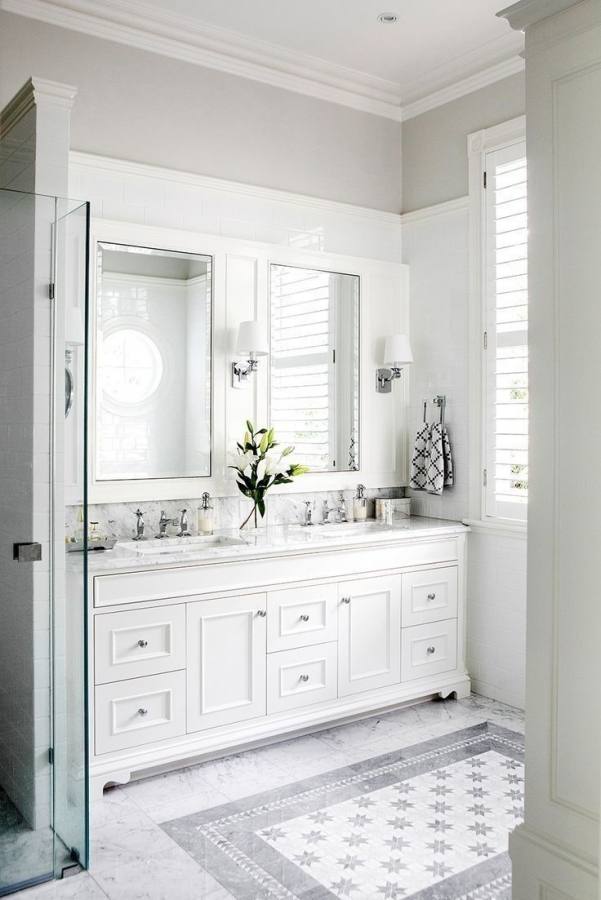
x,y
435,246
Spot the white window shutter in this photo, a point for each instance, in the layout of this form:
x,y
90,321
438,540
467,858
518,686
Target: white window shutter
x,y
506,324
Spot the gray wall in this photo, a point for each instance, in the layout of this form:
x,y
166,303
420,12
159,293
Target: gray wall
x,y
434,145
148,108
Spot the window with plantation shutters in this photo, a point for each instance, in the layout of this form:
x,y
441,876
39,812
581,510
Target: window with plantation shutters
x,y
505,344
314,345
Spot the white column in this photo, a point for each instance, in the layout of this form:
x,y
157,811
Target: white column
x,y
555,852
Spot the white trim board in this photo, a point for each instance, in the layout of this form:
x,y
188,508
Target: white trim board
x,y
447,207
184,38
125,167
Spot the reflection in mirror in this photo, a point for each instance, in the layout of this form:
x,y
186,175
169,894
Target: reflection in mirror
x,y
153,363
315,366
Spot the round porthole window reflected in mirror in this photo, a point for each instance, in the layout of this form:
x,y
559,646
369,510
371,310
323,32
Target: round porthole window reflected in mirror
x,y
132,366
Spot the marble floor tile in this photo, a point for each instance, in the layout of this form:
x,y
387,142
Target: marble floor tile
x,y
167,875
174,794
134,859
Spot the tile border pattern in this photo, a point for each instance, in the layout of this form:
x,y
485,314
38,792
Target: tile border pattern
x,y
224,840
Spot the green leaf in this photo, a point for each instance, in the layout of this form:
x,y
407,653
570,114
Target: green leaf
x,y
261,507
249,425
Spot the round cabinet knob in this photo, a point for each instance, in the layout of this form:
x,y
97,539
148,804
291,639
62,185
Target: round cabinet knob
x,y
431,596
142,711
346,600
262,613
304,677
142,643
431,650
304,617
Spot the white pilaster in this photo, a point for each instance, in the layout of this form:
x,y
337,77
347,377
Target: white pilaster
x,y
555,853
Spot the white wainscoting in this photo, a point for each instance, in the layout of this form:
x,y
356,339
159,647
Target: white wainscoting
x,y
435,247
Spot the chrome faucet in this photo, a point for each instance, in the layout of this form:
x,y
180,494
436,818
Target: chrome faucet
x,y
183,524
163,523
325,515
341,510
139,536
308,513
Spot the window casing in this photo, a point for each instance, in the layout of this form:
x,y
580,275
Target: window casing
x,y
505,339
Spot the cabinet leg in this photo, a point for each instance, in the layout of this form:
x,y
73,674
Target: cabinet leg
x,y
460,691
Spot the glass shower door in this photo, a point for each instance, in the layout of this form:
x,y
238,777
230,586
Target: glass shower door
x,y
43,737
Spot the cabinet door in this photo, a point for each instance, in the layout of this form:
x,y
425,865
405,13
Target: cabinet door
x,y
226,661
369,634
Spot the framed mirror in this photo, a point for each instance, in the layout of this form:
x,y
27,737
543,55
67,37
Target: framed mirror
x,y
153,367
315,365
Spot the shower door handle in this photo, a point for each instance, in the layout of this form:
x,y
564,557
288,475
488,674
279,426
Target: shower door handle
x,y
27,552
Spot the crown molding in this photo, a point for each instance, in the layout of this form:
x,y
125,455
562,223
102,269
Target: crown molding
x,y
461,88
127,168
186,39
35,92
528,12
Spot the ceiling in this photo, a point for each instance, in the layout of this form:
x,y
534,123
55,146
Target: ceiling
x,y
430,36
333,49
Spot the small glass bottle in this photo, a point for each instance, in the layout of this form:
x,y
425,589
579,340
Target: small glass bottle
x,y
205,515
360,504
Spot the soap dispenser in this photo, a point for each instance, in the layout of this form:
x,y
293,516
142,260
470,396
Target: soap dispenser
x,y
360,504
206,515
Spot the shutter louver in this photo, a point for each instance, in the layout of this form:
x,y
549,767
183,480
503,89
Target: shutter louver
x,y
301,358
506,387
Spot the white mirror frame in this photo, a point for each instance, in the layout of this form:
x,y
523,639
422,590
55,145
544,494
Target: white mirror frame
x,y
240,276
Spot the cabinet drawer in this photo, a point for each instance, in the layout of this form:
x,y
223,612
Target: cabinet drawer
x,y
140,711
302,616
139,642
429,596
301,677
428,649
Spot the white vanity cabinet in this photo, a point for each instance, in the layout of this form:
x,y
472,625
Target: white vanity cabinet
x,y
369,642
226,660
196,659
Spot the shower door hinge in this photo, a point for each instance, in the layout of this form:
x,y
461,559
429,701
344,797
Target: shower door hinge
x,y
484,180
484,477
51,755
51,290
485,340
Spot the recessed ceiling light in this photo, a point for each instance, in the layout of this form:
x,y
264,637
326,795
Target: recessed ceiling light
x,y
387,18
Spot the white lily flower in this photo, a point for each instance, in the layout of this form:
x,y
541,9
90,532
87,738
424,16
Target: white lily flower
x,y
261,469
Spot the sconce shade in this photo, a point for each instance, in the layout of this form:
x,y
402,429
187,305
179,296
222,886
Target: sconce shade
x,y
397,351
252,339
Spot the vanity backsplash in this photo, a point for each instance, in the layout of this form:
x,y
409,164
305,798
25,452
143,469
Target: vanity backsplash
x,y
119,519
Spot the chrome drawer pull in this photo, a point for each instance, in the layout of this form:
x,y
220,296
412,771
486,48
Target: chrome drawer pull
x,y
304,617
431,596
142,711
142,643
431,650
346,600
304,678
262,613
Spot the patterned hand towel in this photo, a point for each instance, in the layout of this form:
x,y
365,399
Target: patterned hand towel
x,y
419,464
435,461
449,475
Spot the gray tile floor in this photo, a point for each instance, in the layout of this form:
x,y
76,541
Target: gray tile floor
x,y
134,859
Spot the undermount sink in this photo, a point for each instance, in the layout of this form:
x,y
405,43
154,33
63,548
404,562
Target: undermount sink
x,y
179,545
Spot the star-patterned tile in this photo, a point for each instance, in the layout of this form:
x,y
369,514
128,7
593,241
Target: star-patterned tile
x,y
433,817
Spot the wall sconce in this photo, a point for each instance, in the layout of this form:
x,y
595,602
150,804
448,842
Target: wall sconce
x,y
397,353
252,341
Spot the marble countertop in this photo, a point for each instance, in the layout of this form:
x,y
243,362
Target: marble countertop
x,y
281,540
